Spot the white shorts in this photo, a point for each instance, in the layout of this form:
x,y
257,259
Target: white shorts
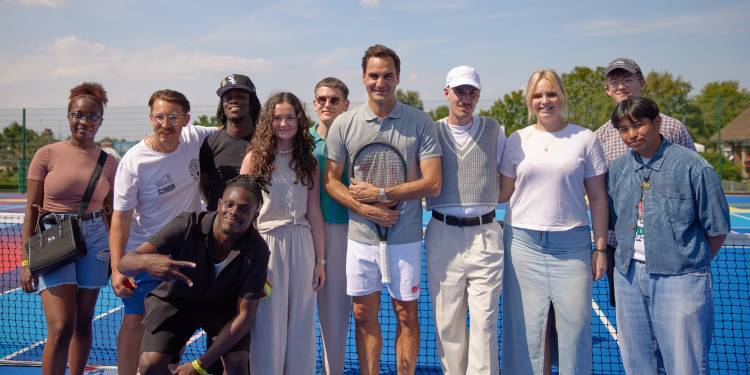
x,y
363,270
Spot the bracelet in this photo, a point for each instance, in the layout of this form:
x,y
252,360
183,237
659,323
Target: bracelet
x,y
267,290
25,263
197,367
601,250
321,261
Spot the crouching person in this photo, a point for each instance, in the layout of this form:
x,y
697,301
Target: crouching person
x,y
670,218
213,267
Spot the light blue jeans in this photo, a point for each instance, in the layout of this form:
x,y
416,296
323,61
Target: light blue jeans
x,y
664,322
543,269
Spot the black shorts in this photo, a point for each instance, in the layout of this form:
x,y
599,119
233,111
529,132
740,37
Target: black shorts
x,y
171,335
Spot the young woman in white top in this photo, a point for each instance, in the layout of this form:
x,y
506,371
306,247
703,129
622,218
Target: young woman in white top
x,y
550,168
290,220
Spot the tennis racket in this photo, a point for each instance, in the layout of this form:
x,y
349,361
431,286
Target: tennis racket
x,y
383,166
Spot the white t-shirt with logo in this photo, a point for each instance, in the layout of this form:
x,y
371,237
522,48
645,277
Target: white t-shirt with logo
x,y
158,186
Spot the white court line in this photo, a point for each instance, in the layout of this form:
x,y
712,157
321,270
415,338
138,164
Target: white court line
x,y
740,216
10,291
41,342
604,319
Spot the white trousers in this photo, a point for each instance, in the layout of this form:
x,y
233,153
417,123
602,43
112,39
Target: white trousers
x,y
464,271
334,305
283,333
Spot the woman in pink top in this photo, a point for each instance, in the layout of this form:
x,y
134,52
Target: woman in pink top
x,y
58,176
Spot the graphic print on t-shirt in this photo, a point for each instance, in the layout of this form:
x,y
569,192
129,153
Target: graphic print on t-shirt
x,y
164,184
195,169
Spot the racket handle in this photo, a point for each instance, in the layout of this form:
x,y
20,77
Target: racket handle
x,y
385,266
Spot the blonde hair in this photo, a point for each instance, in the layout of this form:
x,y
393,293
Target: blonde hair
x,y
554,79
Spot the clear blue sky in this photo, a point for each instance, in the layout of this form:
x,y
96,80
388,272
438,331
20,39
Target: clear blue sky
x,y
136,47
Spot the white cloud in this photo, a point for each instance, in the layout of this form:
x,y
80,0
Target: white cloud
x,y
42,3
370,3
37,79
335,57
727,20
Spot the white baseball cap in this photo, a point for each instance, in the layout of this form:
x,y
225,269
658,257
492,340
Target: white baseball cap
x,y
462,75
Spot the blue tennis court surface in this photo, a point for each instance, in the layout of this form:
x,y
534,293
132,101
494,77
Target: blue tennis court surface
x,y
22,331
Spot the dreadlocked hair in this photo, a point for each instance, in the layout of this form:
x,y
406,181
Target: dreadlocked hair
x,y
263,145
255,185
254,110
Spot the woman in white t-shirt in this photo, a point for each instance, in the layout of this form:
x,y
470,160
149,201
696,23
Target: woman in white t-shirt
x,y
548,169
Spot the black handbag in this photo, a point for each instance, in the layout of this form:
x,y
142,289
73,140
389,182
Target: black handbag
x,y
52,248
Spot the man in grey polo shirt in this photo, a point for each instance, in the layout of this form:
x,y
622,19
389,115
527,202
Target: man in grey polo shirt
x,y
463,240
412,132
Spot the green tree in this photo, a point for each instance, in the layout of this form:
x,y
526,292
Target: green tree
x,y
410,97
671,94
729,170
734,100
588,104
510,111
11,144
204,120
439,112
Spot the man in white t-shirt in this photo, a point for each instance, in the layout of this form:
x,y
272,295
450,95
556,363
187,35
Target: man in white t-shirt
x,y
156,180
463,240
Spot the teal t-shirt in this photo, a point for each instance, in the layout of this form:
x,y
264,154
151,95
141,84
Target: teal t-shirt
x,y
333,212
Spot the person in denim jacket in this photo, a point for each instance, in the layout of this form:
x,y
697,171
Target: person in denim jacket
x,y
670,217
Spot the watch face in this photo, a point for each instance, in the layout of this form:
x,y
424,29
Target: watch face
x,y
381,196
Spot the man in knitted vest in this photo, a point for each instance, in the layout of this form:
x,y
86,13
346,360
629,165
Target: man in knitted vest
x,y
463,240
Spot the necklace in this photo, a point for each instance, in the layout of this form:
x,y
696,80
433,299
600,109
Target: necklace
x,y
285,151
549,134
645,184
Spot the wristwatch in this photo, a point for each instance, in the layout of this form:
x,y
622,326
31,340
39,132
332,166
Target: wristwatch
x,y
381,196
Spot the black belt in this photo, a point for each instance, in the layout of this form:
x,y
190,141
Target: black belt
x,y
464,221
85,217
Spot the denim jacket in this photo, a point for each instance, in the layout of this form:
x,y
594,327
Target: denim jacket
x,y
685,203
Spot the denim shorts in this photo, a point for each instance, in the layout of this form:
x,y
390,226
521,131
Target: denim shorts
x,y
144,284
89,272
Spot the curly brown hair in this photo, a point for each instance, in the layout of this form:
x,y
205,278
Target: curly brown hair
x,y
92,90
263,145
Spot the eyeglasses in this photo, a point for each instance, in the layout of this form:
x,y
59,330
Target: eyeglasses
x,y
626,129
170,118
615,83
334,100
90,117
472,93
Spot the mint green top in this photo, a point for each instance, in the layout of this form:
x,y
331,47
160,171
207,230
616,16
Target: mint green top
x,y
333,212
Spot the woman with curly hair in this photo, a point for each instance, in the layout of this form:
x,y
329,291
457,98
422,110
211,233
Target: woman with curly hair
x,y
58,176
291,222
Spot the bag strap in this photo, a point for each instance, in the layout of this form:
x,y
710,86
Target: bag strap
x,y
92,182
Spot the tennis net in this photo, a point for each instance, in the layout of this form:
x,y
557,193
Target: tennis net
x,y
23,331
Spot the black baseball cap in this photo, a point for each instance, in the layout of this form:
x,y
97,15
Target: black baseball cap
x,y
235,81
623,63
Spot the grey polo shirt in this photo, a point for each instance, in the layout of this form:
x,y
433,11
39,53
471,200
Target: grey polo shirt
x,y
412,133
